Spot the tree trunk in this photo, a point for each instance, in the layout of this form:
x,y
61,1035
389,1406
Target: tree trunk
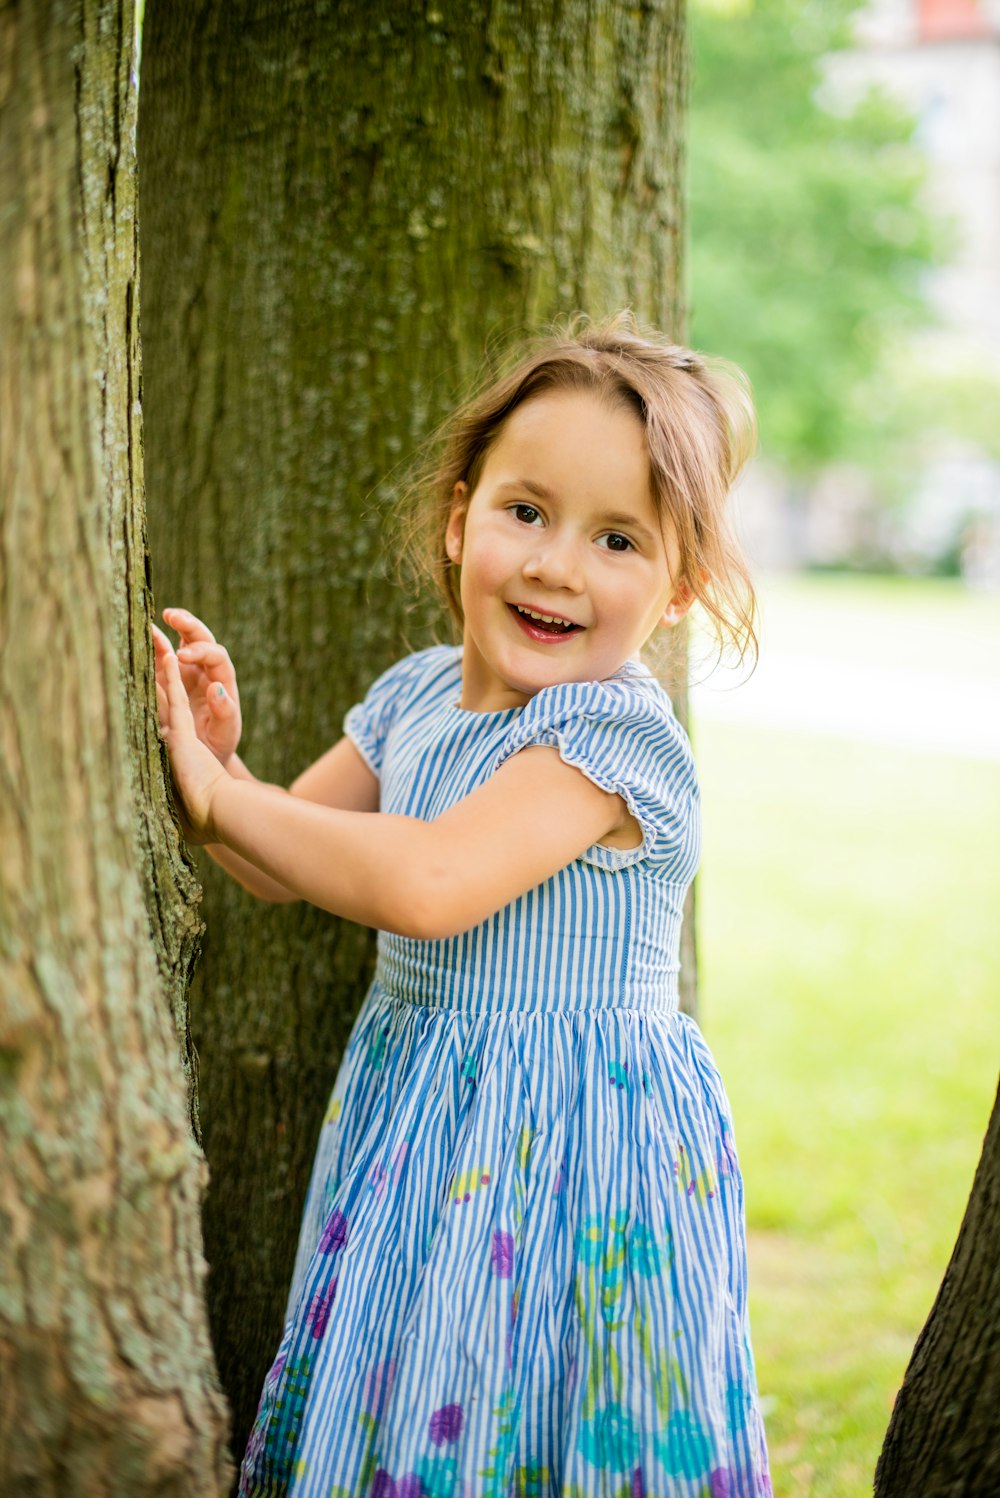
x,y
943,1439
344,207
108,1384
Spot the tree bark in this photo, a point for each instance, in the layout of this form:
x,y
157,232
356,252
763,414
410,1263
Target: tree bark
x,y
943,1439
108,1383
344,208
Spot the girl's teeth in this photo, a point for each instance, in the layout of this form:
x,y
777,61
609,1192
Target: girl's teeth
x,y
542,618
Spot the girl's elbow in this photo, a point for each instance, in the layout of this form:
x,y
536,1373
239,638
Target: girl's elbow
x,y
284,897
435,908
438,928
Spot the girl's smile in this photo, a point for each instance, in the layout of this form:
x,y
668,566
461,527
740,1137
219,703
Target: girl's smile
x,y
565,568
546,628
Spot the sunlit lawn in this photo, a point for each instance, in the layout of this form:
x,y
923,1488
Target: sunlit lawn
x,y
850,970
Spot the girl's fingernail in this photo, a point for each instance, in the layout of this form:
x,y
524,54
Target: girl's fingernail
x,y
221,692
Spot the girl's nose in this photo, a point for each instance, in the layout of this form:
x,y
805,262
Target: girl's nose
x,y
556,564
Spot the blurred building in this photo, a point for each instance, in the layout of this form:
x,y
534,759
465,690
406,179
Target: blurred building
x,y
941,59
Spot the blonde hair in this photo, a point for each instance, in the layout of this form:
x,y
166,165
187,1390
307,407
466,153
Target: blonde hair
x,y
700,430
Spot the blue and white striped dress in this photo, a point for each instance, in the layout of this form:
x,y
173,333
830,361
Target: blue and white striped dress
x,y
522,1268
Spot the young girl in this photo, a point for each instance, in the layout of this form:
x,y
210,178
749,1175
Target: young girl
x,y
522,1265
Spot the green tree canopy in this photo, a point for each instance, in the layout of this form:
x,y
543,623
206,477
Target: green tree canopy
x,y
810,237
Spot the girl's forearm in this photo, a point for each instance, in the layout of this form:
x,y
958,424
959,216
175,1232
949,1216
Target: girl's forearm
x,y
422,879
247,874
238,770
337,860
250,876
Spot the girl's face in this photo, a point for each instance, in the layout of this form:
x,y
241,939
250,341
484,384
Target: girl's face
x,y
566,569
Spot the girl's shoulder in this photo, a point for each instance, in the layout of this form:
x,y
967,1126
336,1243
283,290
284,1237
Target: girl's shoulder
x,y
632,702
438,667
417,683
623,734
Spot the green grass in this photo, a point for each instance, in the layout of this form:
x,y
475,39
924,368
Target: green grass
x,y
850,974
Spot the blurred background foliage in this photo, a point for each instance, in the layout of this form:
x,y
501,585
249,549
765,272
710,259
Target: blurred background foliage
x,y
844,212
810,238
820,237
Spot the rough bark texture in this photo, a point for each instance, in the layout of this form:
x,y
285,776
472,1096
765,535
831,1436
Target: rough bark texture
x,y
108,1384
344,207
943,1439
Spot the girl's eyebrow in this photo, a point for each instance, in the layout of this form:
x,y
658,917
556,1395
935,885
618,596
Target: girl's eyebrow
x,y
541,491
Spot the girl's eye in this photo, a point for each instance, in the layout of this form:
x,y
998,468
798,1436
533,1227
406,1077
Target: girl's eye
x,y
527,514
615,541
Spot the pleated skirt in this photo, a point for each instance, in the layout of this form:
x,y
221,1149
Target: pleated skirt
x,y
522,1268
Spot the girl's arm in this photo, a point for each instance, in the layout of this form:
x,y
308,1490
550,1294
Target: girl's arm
x,y
339,778
247,874
422,879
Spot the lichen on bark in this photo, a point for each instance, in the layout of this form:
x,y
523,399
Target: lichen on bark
x,y
108,1376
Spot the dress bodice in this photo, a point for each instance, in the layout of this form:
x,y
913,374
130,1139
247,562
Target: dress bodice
x,y
603,932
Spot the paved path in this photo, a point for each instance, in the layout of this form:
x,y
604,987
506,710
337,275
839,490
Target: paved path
x,y
903,679
885,705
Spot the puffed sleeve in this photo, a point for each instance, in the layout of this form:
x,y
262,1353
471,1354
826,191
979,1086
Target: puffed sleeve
x,y
369,722
624,736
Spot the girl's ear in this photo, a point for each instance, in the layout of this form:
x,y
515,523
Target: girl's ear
x,y
680,603
455,530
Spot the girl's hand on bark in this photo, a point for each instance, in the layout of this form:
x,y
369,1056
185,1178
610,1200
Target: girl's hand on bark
x,y
196,772
205,668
